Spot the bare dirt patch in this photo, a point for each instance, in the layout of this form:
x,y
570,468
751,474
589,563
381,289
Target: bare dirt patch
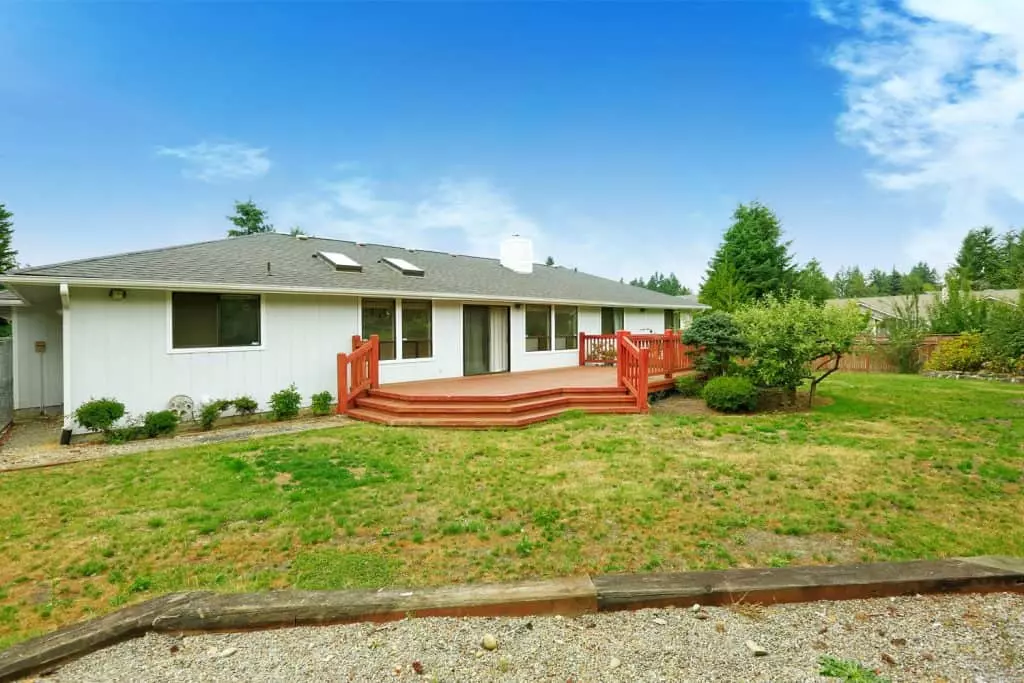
x,y
802,549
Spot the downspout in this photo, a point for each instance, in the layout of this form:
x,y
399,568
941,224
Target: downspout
x,y
65,308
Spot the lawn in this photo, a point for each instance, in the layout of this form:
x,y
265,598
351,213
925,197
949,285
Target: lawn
x,y
894,468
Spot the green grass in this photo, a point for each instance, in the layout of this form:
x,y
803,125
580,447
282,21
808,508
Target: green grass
x,y
846,670
894,468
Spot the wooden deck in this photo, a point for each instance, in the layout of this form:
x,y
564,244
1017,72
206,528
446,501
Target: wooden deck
x,y
500,400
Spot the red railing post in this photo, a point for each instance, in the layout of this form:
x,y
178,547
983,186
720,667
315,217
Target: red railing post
x,y
620,357
357,341
374,361
641,380
583,348
342,383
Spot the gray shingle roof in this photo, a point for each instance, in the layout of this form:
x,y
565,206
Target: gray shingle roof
x,y
8,297
242,262
885,306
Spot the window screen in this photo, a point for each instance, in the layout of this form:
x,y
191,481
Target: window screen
x,y
201,320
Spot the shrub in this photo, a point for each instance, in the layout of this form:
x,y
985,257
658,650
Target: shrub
x,y
689,385
285,403
160,423
730,394
245,405
1004,336
906,330
718,341
965,353
130,431
322,403
211,411
99,414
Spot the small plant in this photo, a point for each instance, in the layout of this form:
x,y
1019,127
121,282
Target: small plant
x,y
245,405
160,423
211,411
850,671
322,403
689,386
730,394
99,414
285,404
129,431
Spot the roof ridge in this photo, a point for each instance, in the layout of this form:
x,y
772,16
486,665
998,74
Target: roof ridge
x,y
173,247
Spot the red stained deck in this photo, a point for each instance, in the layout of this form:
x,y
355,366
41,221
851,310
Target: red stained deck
x,y
500,400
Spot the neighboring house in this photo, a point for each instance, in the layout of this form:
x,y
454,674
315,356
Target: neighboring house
x,y
882,308
251,315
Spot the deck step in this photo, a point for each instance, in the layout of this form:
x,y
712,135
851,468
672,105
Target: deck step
x,y
469,407
498,398
481,420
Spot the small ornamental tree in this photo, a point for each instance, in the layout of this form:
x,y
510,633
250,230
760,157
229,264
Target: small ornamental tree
x,y
717,341
792,340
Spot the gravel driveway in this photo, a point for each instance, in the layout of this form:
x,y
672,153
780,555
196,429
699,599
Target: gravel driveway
x,y
946,638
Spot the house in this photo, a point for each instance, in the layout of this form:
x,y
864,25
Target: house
x,y
882,308
253,314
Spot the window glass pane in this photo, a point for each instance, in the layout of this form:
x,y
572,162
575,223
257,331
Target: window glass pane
x,y
538,328
416,339
204,321
379,319
620,319
670,320
239,320
566,331
193,320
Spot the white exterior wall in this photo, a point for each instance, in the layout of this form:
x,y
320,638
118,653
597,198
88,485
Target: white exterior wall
x,y
32,369
121,349
645,320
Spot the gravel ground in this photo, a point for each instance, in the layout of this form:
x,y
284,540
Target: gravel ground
x,y
15,456
947,638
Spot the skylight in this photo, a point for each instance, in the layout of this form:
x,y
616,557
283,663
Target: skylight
x,y
404,267
340,261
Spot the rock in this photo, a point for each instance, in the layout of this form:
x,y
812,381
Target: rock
x,y
695,608
417,666
756,649
227,652
174,648
701,614
489,642
899,642
888,659
615,663
660,622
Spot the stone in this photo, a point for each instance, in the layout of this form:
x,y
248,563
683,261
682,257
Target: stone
x,y
489,642
227,652
417,666
660,622
756,649
695,608
615,663
888,659
899,642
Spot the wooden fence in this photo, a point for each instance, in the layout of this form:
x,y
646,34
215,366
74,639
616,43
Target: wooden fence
x,y
874,355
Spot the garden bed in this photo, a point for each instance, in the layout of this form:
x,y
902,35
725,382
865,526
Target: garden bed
x,y
986,376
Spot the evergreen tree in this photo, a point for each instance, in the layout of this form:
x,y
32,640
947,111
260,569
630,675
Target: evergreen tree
x,y
8,256
979,259
755,252
850,283
878,282
549,261
724,289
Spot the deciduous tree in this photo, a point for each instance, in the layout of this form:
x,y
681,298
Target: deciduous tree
x,y
248,219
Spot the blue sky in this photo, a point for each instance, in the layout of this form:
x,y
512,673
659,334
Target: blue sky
x,y
619,136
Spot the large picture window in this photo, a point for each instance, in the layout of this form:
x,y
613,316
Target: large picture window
x,y
416,333
201,320
538,328
379,319
566,329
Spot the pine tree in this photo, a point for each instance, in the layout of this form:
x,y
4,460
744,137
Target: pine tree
x,y
758,257
8,256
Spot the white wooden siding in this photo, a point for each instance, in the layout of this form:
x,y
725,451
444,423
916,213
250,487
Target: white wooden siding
x,y
32,369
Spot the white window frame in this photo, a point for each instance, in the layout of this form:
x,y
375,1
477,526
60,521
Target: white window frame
x,y
215,349
551,322
399,330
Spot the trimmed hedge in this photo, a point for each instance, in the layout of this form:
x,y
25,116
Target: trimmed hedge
x,y
730,394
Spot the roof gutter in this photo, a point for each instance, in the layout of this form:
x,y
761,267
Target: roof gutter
x,y
163,285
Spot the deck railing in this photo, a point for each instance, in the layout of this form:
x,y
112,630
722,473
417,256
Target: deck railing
x,y
358,371
667,352
632,368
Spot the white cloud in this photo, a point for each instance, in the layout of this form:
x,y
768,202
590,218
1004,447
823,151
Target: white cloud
x,y
217,162
934,92
472,216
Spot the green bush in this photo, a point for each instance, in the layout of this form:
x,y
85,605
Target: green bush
x,y
322,403
690,386
730,394
99,414
1004,336
965,353
717,341
160,423
285,403
130,431
211,411
245,405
